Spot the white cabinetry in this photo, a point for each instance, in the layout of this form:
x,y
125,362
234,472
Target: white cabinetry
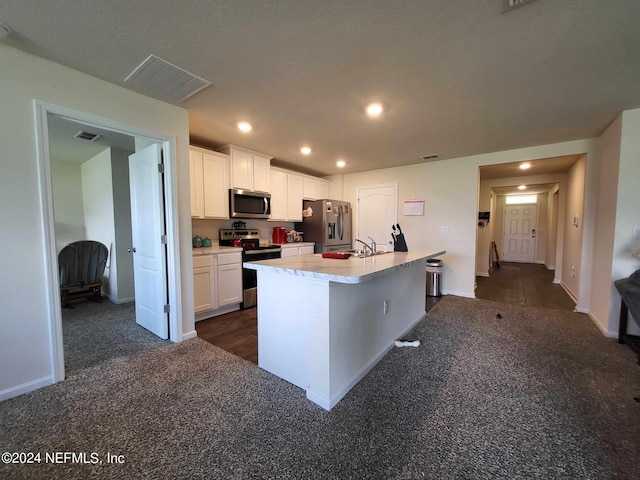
x,y
249,170
295,188
229,278
323,189
209,183
293,250
205,296
286,195
278,195
217,284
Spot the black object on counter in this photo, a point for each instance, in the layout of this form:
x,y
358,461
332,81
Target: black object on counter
x,y
399,243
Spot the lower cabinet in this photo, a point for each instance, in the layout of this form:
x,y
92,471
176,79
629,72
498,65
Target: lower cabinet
x,y
229,279
294,250
205,275
217,284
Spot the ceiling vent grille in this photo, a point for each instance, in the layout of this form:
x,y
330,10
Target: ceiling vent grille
x,y
166,80
508,5
431,156
92,137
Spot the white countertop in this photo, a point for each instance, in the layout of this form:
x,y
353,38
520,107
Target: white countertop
x,y
351,270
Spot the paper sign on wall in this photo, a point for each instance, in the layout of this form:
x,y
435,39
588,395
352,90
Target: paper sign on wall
x,y
413,207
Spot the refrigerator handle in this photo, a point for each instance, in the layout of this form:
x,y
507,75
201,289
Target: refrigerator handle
x,y
340,222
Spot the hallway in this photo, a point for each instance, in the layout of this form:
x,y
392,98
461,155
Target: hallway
x,y
526,284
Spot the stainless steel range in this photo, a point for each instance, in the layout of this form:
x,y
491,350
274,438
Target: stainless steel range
x,y
252,251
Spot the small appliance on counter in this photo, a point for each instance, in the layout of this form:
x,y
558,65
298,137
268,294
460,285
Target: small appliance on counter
x,y
252,251
279,235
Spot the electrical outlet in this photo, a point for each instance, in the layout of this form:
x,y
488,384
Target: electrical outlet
x,y
386,307
444,229
573,271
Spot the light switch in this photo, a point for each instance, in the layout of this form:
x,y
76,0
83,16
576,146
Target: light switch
x,y
636,232
444,229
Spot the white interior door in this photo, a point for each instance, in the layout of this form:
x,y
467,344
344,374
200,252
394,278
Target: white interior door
x,y
377,212
520,233
148,249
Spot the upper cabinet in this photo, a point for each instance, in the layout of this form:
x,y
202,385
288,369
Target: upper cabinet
x,y
249,170
315,188
209,183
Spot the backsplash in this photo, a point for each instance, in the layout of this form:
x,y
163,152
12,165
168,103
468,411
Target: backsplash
x,y
209,228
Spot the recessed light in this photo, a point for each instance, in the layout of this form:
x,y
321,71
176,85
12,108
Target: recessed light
x,y
524,166
374,109
341,163
244,126
305,150
522,187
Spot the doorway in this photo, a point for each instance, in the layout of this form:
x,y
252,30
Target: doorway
x,y
44,111
377,213
520,226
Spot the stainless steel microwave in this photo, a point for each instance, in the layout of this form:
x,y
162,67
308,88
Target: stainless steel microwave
x,y
248,204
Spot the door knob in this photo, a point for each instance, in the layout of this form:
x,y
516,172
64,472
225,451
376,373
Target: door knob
x,y
131,250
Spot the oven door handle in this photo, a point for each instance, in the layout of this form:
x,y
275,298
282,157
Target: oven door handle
x,y
258,252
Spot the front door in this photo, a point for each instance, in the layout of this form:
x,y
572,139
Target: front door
x,y
149,249
520,233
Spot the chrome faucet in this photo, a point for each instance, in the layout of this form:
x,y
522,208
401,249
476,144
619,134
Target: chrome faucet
x,y
372,247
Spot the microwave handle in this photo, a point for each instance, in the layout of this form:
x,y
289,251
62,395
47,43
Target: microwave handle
x,y
266,206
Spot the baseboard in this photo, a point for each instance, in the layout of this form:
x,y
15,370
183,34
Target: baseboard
x,y
188,335
550,267
604,332
25,388
540,262
482,274
218,311
459,294
123,300
557,281
569,292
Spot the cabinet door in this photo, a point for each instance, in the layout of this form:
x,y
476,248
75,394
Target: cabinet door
x,y
294,197
323,190
261,176
196,184
306,250
230,284
310,188
216,187
278,195
204,289
241,170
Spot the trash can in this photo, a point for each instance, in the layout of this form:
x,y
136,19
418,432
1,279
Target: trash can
x,y
434,277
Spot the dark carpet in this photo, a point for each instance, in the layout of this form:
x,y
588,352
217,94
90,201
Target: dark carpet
x,y
94,333
536,394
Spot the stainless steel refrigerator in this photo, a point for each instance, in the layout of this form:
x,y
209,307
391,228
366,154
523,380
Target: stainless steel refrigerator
x,y
329,226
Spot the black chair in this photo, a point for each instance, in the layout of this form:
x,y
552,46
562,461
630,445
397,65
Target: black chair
x,y
81,266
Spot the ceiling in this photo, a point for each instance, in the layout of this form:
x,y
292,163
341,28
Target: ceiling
x,y
65,148
457,78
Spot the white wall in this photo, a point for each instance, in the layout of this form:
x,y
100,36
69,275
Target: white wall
x,y
97,199
572,246
67,202
25,345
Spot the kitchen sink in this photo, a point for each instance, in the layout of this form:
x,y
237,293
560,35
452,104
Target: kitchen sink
x,y
360,253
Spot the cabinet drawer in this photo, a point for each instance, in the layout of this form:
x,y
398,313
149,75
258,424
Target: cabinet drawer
x,y
227,258
200,261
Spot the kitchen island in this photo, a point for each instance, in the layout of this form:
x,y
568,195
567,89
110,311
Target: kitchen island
x,y
324,323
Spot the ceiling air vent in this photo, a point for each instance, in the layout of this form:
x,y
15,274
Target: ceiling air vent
x,y
431,156
92,137
508,5
164,79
